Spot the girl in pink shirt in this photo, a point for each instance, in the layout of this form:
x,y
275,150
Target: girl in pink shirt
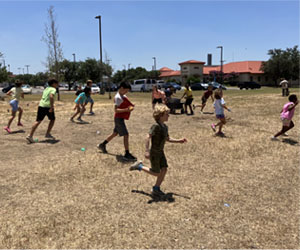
x,y
286,116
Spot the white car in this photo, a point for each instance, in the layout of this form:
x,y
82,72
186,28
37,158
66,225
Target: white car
x,y
27,89
95,88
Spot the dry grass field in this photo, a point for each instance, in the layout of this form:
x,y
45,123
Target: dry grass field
x,y
237,192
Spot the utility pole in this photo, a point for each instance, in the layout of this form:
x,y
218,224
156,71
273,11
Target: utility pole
x,y
100,38
221,47
27,66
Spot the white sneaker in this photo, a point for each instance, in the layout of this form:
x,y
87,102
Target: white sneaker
x,y
273,138
29,139
136,166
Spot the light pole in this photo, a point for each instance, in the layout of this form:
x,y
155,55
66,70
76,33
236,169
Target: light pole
x,y
100,38
19,70
74,70
129,65
154,67
8,67
221,47
27,66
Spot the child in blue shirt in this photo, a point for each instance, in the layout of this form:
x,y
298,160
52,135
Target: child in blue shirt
x,y
80,103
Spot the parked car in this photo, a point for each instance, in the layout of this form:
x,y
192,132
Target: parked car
x,y
160,83
199,86
171,84
249,85
63,86
142,85
95,88
217,85
27,89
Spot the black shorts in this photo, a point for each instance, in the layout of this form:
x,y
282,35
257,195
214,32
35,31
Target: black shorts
x,y
120,127
159,100
204,100
189,101
42,112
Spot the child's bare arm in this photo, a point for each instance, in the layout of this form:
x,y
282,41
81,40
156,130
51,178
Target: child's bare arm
x,y
183,140
292,106
147,152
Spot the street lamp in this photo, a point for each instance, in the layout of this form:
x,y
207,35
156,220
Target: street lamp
x,y
27,66
99,17
154,67
129,65
221,47
8,67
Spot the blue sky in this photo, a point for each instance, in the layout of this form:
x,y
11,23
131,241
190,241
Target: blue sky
x,y
133,32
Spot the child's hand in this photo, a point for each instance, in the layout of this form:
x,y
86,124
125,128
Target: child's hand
x,y
184,140
147,155
131,108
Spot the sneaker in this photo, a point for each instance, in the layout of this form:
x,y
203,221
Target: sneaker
x,y
102,147
20,124
129,157
79,119
285,134
92,113
71,120
29,139
213,127
221,134
273,138
157,192
194,107
7,130
49,136
136,166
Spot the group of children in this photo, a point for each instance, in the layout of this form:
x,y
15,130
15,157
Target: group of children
x,y
158,133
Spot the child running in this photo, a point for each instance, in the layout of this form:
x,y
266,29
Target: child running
x,y
158,135
46,108
123,108
80,103
208,93
286,116
89,84
16,93
219,106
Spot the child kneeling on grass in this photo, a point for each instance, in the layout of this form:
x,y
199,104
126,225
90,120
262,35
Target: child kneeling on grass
x,y
158,135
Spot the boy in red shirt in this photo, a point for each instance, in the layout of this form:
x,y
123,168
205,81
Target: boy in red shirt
x,y
123,108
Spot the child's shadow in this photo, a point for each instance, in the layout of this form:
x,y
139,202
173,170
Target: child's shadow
x,y
49,141
168,197
290,141
20,131
208,113
120,158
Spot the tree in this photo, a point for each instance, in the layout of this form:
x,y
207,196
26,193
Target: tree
x,y
3,71
283,63
55,54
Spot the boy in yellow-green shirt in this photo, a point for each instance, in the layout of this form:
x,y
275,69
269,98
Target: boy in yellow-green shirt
x,y
46,108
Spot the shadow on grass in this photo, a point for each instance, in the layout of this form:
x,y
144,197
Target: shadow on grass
x,y
49,141
168,197
290,141
119,158
208,113
20,131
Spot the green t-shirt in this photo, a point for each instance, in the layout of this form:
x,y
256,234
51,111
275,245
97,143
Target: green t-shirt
x,y
45,101
159,134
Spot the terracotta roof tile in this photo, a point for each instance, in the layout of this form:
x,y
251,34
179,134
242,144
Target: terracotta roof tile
x,y
192,62
170,73
164,69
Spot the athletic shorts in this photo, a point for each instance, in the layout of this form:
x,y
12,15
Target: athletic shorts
x,y
89,99
42,112
204,100
189,101
158,161
120,127
14,105
159,100
220,116
285,122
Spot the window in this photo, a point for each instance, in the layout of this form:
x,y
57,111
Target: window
x,y
267,78
184,67
251,78
196,67
258,78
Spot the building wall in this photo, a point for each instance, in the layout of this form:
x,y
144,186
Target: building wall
x,y
192,69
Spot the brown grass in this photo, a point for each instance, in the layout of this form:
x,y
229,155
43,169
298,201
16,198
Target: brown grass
x,y
57,196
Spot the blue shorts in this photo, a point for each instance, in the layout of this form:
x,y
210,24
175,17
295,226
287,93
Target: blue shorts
x,y
14,105
220,116
89,99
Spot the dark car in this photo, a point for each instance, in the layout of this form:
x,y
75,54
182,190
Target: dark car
x,y
199,86
171,84
217,85
249,85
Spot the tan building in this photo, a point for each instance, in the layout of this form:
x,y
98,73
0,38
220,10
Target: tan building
x,y
191,68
